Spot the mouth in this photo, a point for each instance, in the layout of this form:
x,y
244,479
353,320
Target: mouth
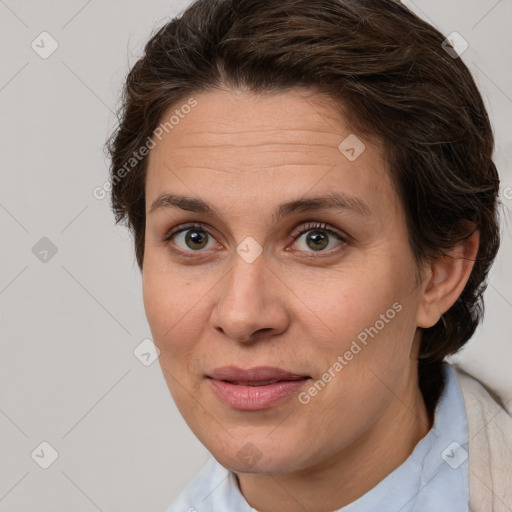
x,y
259,383
255,388
260,375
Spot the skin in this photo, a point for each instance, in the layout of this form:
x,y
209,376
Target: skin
x,y
294,307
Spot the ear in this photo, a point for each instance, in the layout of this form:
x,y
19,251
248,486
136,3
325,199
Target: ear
x,y
444,280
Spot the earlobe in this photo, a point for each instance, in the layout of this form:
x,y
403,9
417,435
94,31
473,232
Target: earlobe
x,y
446,279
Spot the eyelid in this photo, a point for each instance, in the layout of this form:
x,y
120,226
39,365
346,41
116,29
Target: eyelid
x,y
321,226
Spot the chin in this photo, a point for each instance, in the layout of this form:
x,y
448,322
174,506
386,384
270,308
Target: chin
x,y
263,459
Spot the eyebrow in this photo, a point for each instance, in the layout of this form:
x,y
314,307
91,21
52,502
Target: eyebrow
x,y
334,200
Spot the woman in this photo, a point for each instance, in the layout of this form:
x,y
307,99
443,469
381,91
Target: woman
x,y
312,194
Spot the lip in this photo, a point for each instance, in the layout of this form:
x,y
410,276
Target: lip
x,y
246,397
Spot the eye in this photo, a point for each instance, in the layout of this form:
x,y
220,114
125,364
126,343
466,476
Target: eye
x,y
191,238
318,238
194,238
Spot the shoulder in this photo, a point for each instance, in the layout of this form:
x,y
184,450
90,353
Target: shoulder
x,y
490,443
486,410
475,389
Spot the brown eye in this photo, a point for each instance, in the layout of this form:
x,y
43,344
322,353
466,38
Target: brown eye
x,y
190,238
196,239
318,238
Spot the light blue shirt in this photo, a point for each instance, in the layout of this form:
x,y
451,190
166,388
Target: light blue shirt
x,y
435,476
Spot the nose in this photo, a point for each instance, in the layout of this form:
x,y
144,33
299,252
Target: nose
x,y
251,302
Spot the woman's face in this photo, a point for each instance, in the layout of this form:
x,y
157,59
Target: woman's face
x,y
297,259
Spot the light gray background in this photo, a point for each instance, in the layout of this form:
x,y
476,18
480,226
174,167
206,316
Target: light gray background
x,y
69,326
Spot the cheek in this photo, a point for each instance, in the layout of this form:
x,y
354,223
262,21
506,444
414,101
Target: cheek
x,y
156,300
164,303
367,360
176,311
370,315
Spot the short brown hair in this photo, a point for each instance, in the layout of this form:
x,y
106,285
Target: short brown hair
x,y
388,72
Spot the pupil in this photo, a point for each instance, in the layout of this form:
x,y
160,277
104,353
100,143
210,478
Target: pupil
x,y
316,237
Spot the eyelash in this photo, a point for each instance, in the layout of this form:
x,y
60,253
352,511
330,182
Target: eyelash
x,y
308,227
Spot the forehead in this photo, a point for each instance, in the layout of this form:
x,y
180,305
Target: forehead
x,y
229,120
265,144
